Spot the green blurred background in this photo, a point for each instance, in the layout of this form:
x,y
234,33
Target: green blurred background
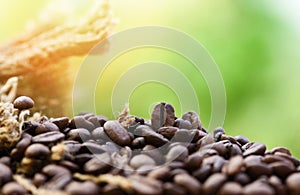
x,y
254,42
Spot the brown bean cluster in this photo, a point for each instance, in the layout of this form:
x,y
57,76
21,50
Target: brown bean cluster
x,y
90,154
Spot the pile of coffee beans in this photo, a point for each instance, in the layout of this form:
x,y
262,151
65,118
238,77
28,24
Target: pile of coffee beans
x,y
90,154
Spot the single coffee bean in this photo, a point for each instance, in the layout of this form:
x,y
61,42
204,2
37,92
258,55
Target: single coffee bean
x,y
5,174
231,188
192,185
52,137
23,103
184,135
194,161
161,173
18,152
170,115
30,126
173,189
59,177
138,142
281,149
214,183
288,157
94,120
82,188
202,173
140,160
242,178
276,183
117,133
98,165
218,146
218,133
182,124
91,147
111,189
70,166
102,120
168,132
37,151
151,137
6,160
257,170
81,122
235,150
282,169
13,188
81,159
145,185
72,146
158,116
258,188
234,165
61,122
216,162
39,179
177,153
254,148
194,119
293,183
46,127
79,135
241,139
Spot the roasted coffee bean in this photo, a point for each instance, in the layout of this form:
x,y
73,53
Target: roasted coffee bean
x,y
293,183
94,120
99,133
184,135
72,146
216,162
173,189
276,183
242,178
241,139
254,148
168,132
111,189
141,160
192,185
139,120
91,147
161,173
117,133
5,174
177,153
231,188
138,142
202,173
170,115
83,188
18,152
258,188
193,118
37,151
282,169
23,103
59,177
39,179
218,132
145,185
288,157
5,160
162,115
98,165
61,122
218,146
79,135
48,138
214,183
281,149
151,137
258,169
46,127
194,161
81,122
234,166
182,124
81,159
70,166
30,126
13,188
